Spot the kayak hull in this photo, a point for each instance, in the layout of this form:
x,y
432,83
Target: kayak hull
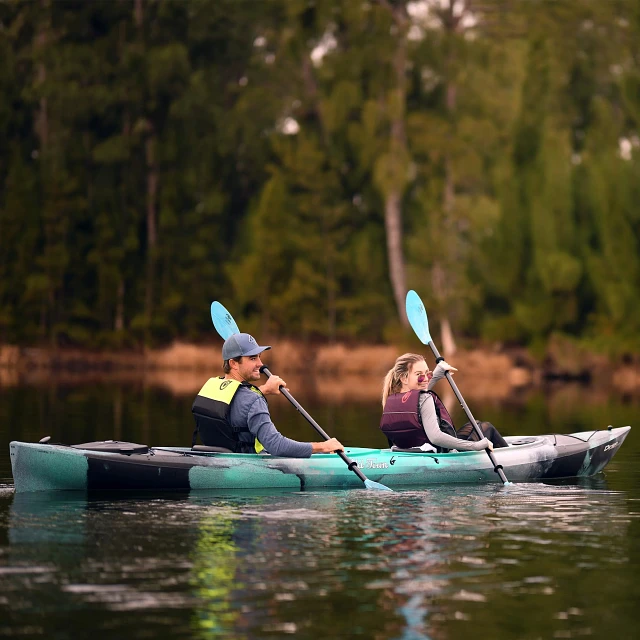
x,y
53,467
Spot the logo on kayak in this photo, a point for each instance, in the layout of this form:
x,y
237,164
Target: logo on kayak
x,y
225,384
613,445
370,463
392,461
406,396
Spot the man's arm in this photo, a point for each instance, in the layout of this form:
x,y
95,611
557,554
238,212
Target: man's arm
x,y
272,387
261,426
328,446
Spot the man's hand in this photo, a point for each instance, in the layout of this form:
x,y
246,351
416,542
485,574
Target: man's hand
x,y
272,385
329,446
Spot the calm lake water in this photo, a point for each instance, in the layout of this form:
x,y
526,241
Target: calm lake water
x,y
532,561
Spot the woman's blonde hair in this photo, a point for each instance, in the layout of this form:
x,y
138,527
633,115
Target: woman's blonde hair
x,y
393,380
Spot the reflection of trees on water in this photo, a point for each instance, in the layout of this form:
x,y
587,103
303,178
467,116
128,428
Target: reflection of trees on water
x,y
449,563
286,567
466,563
214,575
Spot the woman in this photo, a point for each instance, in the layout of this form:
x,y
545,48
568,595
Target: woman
x,y
414,416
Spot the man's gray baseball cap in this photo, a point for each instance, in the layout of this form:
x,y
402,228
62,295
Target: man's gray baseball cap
x,y
241,344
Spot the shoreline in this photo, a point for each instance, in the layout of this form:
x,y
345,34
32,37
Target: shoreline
x,y
334,370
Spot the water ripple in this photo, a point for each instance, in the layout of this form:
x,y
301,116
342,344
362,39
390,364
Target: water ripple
x,y
416,562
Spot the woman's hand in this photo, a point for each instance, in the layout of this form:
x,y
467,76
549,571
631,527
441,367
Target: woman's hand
x,y
445,366
439,372
485,443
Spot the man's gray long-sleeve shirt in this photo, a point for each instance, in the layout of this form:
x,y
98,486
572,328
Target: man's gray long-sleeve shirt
x,y
249,409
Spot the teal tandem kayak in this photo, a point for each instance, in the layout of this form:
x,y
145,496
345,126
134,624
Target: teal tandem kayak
x,y
122,466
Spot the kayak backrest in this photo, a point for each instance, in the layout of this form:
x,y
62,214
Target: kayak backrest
x,y
206,449
514,442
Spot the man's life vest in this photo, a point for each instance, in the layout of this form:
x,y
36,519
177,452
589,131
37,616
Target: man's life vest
x,y
211,410
402,424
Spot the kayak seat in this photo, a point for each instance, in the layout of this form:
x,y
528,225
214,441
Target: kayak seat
x,y
438,450
205,449
113,446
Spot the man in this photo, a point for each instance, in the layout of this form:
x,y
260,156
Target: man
x,y
231,412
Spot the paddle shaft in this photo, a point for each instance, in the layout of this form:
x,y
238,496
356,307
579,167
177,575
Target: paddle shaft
x,y
350,463
496,467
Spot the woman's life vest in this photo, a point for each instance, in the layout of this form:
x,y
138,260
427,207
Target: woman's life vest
x,y
211,412
402,424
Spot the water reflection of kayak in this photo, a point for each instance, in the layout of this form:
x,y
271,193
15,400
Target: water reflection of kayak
x,y
122,466
48,518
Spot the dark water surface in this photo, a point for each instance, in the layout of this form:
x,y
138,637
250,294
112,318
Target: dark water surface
x,y
529,561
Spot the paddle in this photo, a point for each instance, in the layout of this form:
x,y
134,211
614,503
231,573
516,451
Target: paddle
x,y
226,326
417,316
223,321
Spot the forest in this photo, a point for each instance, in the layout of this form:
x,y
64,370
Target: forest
x,y
306,162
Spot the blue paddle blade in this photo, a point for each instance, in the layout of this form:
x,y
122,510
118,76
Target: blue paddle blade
x,y
223,321
370,484
417,315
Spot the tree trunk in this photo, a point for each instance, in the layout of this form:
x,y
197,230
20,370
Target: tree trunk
x,y
41,125
152,192
41,120
119,319
393,200
138,13
448,341
330,280
152,180
393,228
311,88
442,291
438,282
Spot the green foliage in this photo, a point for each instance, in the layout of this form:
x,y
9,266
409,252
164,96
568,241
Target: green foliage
x,y
157,155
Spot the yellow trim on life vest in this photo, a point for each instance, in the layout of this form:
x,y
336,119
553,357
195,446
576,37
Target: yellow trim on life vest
x,y
223,390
